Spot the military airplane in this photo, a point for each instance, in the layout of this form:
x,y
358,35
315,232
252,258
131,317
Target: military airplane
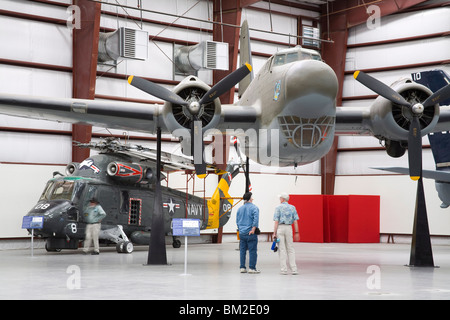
x,y
122,178
439,141
286,114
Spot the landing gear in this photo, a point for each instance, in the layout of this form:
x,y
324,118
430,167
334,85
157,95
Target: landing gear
x,y
176,243
124,247
119,237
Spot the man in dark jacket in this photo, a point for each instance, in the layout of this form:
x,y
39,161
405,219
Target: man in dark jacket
x,y
93,216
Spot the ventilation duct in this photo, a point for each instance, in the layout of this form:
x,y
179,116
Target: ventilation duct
x,y
124,43
205,55
311,35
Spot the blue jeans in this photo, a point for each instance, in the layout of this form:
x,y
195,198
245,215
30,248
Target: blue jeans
x,y
250,243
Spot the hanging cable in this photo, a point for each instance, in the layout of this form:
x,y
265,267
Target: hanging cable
x,y
270,16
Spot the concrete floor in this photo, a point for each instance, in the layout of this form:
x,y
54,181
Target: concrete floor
x,y
326,271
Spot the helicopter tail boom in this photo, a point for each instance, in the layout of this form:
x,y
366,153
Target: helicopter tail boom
x,y
221,203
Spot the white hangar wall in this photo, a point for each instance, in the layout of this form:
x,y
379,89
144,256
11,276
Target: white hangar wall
x,y
28,157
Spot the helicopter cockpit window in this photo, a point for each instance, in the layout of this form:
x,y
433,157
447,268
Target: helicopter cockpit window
x,y
58,190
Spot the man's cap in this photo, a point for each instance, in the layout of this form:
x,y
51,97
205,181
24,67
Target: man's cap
x,y
284,195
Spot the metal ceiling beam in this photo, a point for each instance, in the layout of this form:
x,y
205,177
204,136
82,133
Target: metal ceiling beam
x,y
85,52
228,12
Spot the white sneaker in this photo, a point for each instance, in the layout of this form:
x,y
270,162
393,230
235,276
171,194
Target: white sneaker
x,y
243,270
254,271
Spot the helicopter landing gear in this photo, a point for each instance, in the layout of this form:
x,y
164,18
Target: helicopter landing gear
x,y
124,247
116,235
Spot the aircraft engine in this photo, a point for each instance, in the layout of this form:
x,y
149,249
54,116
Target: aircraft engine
x,y
391,122
71,168
130,173
178,116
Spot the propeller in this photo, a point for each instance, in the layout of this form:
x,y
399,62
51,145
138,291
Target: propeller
x,y
194,106
415,134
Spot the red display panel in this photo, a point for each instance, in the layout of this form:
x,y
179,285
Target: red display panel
x,y
340,218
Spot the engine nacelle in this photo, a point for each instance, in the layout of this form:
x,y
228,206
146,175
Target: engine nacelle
x,y
391,121
130,173
179,117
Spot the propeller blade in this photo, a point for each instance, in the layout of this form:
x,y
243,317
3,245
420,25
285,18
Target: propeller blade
x,y
226,83
156,90
380,88
415,149
437,97
197,148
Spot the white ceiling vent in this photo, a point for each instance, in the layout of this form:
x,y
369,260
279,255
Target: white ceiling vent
x,y
205,55
216,55
124,43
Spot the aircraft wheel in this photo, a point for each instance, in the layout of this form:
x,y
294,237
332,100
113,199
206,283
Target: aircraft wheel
x,y
124,247
176,243
51,250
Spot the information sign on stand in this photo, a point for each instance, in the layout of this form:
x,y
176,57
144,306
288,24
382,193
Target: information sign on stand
x,y
186,228
30,222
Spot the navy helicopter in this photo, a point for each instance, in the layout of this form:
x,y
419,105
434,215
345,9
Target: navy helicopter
x,y
122,177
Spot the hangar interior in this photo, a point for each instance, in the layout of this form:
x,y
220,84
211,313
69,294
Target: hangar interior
x,y
40,59
43,53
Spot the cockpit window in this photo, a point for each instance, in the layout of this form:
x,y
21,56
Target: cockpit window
x,y
58,190
279,60
284,58
291,57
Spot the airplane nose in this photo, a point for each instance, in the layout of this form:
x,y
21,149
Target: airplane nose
x,y
311,85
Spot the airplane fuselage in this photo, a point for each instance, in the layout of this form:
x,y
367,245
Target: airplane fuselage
x,y
296,105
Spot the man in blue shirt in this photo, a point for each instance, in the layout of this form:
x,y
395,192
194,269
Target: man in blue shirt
x,y
285,215
247,220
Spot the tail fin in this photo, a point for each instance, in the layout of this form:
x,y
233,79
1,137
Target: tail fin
x,y
434,80
220,204
439,141
245,56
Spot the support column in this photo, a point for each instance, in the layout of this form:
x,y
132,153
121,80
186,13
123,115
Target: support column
x,y
85,52
229,13
334,55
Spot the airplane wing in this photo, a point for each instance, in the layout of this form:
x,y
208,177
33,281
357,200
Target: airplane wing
x,y
353,121
131,116
443,176
111,114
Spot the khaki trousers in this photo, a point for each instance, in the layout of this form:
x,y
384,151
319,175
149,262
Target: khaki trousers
x,y
92,232
286,248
